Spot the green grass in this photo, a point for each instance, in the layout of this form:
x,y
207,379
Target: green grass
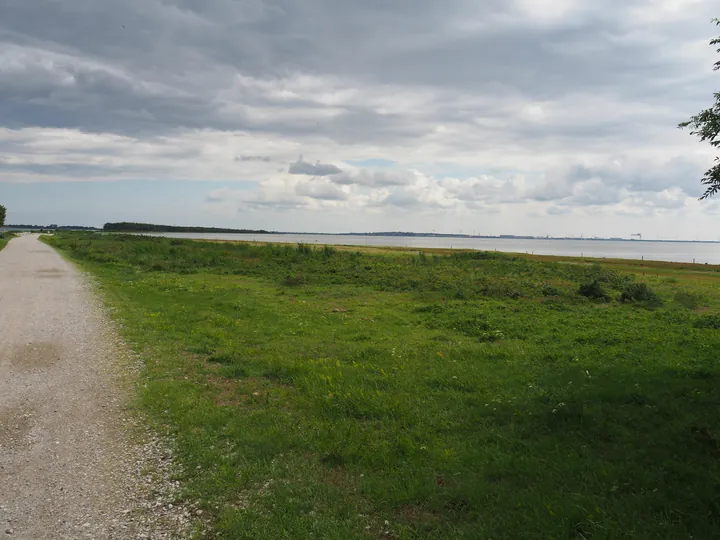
x,y
5,238
339,394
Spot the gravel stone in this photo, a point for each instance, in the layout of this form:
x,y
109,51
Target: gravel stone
x,y
75,459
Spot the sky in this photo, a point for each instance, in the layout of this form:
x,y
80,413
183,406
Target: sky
x,y
529,117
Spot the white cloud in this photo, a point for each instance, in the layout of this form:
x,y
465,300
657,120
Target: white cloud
x,y
375,177
319,189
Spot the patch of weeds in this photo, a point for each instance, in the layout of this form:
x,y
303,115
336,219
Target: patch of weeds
x,y
432,308
549,290
280,373
491,336
223,357
708,321
294,280
687,300
233,371
460,294
556,303
453,384
474,326
514,294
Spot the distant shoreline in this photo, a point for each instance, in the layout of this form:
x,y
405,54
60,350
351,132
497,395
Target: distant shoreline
x,y
503,237
127,227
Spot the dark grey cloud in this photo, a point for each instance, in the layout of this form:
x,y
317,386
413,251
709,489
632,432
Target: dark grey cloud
x,y
318,169
146,67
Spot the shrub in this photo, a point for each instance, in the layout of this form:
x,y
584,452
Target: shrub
x,y
593,290
639,292
549,290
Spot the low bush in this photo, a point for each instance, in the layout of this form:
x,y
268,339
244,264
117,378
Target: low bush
x,y
593,290
549,290
639,292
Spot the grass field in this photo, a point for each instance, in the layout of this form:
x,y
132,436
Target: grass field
x,y
5,238
323,393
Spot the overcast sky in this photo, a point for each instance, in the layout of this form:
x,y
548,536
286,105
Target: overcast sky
x,y
500,117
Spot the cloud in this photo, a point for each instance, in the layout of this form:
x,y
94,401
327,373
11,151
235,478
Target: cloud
x,y
263,66
321,190
558,210
263,159
445,98
319,169
616,179
375,177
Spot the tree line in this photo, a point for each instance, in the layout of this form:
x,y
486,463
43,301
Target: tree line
x,y
125,226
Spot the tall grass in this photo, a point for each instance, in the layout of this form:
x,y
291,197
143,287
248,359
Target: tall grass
x,y
477,274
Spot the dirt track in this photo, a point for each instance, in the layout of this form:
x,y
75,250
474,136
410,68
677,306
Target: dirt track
x,y
70,466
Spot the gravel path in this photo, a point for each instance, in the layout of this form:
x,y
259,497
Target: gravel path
x,y
74,460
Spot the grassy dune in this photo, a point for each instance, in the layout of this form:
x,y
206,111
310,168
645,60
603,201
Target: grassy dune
x,y
326,393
